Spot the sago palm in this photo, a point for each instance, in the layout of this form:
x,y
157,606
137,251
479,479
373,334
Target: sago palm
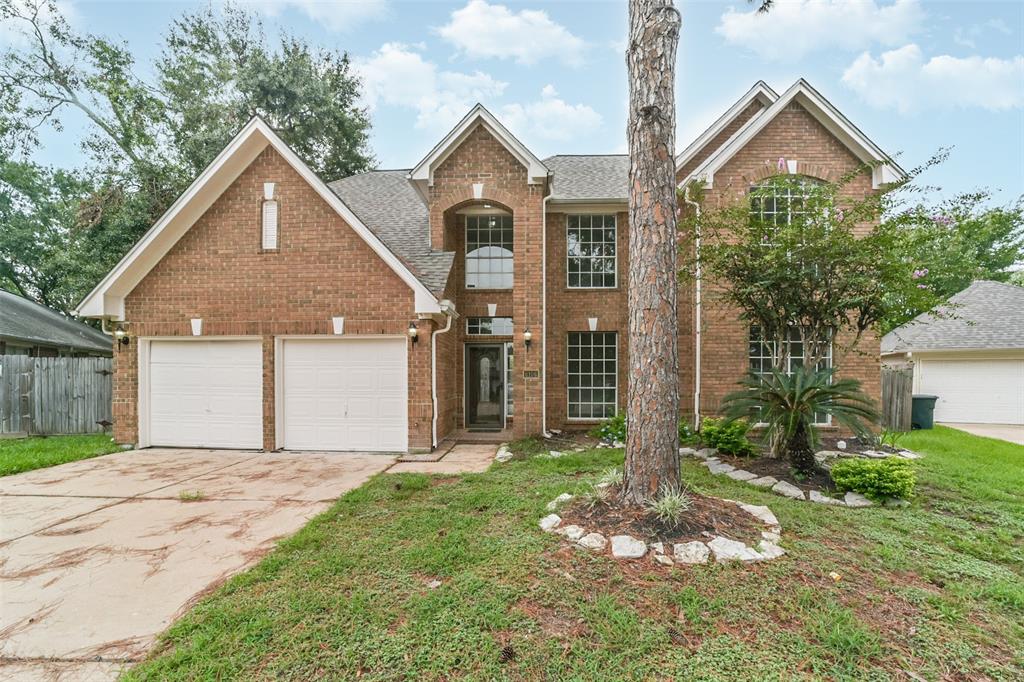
x,y
787,404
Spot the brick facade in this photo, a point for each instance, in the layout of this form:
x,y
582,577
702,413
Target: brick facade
x,y
323,269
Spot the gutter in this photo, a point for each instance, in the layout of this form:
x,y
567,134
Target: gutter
x,y
698,310
449,316
544,317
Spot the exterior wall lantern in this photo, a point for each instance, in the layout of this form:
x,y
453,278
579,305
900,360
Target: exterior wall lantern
x,y
414,332
527,337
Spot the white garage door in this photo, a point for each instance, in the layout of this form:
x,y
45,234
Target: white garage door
x,y
981,391
206,394
345,394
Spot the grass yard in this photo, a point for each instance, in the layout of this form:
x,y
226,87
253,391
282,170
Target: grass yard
x,y
37,452
931,592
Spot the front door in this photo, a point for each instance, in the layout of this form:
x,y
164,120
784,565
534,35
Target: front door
x,y
485,387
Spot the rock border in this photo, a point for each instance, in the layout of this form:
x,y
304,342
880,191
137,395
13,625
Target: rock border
x,y
785,488
723,549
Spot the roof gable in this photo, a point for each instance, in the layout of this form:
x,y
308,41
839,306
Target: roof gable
x,y
423,173
107,299
884,169
760,92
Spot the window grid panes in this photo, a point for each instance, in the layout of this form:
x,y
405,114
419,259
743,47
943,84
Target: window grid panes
x,y
509,373
489,326
762,353
489,252
778,203
593,375
591,251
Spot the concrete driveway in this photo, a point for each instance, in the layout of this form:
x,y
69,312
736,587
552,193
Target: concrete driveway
x,y
98,557
1010,432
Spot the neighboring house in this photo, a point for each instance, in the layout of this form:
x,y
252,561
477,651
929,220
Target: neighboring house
x,y
970,354
482,289
27,328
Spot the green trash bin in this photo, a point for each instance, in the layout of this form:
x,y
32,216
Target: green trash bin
x,y
922,411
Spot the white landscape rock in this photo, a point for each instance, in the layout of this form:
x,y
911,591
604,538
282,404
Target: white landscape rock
x,y
896,502
572,531
664,560
763,481
658,547
856,500
504,454
550,522
706,453
760,512
817,496
555,454
771,536
875,454
716,467
558,501
789,490
618,444
691,552
725,550
908,454
687,452
594,541
628,547
740,475
769,550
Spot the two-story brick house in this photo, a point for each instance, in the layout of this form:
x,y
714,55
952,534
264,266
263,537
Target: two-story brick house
x,y
482,289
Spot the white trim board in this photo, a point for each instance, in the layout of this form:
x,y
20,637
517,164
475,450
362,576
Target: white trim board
x,y
885,169
759,92
107,299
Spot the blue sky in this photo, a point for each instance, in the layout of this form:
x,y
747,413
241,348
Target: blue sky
x,y
914,75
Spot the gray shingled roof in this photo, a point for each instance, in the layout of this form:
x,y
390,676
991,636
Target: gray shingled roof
x,y
986,315
390,206
589,177
27,321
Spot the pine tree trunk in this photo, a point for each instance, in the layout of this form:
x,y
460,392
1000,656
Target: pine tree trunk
x,y
652,404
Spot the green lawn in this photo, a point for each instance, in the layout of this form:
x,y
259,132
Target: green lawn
x,y
936,589
25,454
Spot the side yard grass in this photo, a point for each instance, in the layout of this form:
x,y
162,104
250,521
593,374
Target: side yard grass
x,y
413,577
36,452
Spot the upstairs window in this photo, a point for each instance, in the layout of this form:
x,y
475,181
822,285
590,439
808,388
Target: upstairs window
x,y
780,201
489,326
489,252
591,251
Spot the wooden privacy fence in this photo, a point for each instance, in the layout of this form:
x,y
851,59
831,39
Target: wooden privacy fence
x,y
897,394
44,396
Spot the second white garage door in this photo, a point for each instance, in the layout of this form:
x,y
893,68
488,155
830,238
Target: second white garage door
x,y
344,394
975,391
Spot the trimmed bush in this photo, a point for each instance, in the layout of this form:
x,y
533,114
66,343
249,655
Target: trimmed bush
x,y
875,478
614,429
728,437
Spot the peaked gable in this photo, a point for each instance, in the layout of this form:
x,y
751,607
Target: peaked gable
x,y
884,169
107,299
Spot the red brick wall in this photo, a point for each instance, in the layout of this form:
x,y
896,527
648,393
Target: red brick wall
x,y
322,269
718,140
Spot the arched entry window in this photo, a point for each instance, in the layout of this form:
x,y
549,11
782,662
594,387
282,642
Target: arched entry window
x,y
489,251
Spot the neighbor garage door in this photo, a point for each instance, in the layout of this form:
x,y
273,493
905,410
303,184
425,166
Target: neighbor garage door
x,y
206,394
980,391
344,394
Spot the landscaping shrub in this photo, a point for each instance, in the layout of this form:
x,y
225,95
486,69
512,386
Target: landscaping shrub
x,y
728,437
614,429
670,506
875,478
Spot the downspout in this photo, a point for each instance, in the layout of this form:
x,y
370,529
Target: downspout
x,y
697,308
544,317
449,316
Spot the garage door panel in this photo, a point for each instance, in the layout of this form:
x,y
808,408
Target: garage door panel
x,y
206,393
344,394
981,391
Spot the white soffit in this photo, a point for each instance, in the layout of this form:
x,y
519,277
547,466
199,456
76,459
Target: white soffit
x,y
759,92
478,115
107,299
885,171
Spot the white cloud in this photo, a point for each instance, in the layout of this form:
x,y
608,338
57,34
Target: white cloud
x,y
550,118
966,36
397,74
335,16
903,80
795,28
481,30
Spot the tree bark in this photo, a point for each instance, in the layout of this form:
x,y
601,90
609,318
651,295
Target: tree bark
x,y
652,403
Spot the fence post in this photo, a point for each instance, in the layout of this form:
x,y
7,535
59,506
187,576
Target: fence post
x,y
897,396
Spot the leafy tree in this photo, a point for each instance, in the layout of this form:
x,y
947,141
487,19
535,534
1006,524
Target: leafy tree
x,y
788,403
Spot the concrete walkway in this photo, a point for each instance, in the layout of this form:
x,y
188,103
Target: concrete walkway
x,y
98,557
1009,432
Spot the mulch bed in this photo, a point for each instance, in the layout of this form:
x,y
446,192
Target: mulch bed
x,y
781,469
708,517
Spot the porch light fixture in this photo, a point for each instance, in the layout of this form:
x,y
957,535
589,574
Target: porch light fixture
x,y
414,332
121,336
527,337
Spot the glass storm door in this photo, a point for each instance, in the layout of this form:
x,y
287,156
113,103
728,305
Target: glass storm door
x,y
485,387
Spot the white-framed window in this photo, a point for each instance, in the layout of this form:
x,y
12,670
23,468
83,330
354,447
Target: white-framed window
x,y
762,353
592,375
489,326
509,384
269,224
591,251
489,252
780,201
